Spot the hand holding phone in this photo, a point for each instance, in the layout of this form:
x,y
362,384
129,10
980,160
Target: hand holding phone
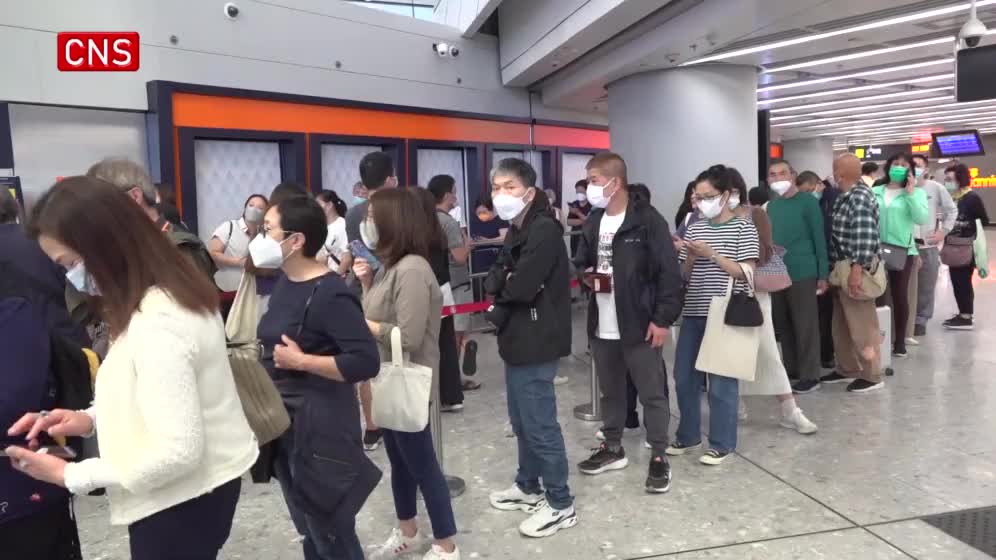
x,y
360,251
59,451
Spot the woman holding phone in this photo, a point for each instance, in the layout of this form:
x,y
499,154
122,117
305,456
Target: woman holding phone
x,y
174,442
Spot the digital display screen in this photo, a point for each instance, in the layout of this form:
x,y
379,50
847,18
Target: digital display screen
x,y
960,143
975,74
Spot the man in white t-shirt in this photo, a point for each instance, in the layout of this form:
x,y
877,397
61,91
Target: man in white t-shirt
x,y
626,256
229,245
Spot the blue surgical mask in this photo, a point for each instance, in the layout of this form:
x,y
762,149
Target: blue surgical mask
x,y
817,194
82,280
357,200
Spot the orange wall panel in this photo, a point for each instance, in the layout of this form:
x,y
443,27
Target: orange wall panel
x,y
546,135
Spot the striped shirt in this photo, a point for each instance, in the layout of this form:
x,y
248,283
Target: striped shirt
x,y
735,239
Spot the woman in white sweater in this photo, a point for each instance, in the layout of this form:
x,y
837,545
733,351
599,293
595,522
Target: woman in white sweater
x,y
174,441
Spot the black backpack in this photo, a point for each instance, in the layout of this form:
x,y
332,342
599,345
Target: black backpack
x,y
194,248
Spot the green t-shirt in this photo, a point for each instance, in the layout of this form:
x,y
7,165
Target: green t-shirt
x,y
797,225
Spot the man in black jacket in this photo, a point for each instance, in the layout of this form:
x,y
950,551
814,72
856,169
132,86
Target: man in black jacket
x,y
532,312
627,257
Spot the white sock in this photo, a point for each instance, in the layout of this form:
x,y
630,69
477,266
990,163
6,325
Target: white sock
x,y
788,407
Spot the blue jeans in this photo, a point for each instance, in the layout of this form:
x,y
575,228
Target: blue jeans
x,y
321,542
532,409
723,393
414,467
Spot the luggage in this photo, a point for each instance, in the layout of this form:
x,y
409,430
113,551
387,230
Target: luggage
x,y
885,330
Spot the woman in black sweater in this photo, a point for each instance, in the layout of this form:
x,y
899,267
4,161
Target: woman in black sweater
x,y
958,181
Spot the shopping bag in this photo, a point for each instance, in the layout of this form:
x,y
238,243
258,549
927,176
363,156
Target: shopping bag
x,y
727,350
261,402
401,392
981,250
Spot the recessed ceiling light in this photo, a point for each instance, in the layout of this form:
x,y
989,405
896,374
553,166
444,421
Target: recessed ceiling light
x,y
886,116
915,122
856,55
865,108
926,14
863,73
873,129
859,100
854,89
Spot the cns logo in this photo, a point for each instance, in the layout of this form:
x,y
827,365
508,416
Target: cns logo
x,y
98,51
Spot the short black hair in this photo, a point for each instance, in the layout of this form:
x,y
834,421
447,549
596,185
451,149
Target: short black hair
x,y
961,173
375,169
807,177
780,161
738,182
284,191
719,177
758,196
582,184
640,192
869,167
518,168
440,186
926,160
301,214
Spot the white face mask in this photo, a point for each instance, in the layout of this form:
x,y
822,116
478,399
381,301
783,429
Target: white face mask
x,y
81,280
781,187
711,208
266,252
734,202
581,197
369,235
509,207
596,194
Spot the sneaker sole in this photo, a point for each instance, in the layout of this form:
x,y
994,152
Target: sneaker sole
x,y
712,461
674,452
613,466
806,392
565,523
651,489
371,447
869,390
836,381
806,431
959,328
517,506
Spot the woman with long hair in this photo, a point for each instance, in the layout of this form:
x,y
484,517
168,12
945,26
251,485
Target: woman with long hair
x,y
404,294
174,442
336,244
958,182
901,206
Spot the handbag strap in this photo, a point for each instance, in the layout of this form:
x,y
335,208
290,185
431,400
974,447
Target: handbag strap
x,y
397,352
307,305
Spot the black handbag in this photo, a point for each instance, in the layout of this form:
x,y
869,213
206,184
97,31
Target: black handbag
x,y
743,309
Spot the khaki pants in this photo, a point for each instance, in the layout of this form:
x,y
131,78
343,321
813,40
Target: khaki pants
x,y
855,331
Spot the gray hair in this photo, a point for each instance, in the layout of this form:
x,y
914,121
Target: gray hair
x,y
9,209
517,168
125,175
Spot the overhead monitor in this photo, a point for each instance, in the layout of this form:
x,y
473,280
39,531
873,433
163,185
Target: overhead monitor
x,y
976,74
959,143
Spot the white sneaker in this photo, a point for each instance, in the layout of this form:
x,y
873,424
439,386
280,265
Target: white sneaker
x,y
797,421
646,444
437,553
599,435
547,521
912,342
514,499
560,380
397,545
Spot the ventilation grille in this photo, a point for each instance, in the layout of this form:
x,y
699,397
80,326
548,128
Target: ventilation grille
x,y
975,527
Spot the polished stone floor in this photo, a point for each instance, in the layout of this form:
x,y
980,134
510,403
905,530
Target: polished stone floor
x,y
923,445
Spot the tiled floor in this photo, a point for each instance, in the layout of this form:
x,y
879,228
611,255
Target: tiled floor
x,y
923,445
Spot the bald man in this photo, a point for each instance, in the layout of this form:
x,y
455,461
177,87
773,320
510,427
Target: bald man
x,y
855,241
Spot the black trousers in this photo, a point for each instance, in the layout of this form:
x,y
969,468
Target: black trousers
x,y
193,530
47,535
961,283
825,304
450,384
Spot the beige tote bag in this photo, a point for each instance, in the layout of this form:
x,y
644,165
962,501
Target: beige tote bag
x,y
261,402
726,350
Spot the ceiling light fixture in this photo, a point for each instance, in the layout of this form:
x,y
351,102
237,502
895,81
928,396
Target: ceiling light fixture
x,y
880,85
859,100
918,112
854,75
913,126
917,122
926,14
866,108
857,55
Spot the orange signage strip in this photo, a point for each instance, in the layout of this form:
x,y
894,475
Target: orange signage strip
x,y
545,135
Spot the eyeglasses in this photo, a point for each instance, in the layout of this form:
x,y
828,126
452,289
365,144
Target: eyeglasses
x,y
267,230
708,198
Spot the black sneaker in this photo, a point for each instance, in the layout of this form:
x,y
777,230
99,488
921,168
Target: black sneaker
x,y
470,358
864,386
899,351
920,330
659,476
807,386
834,377
714,458
959,323
678,448
371,439
604,460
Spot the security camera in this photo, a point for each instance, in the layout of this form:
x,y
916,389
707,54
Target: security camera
x,y
231,10
454,52
972,32
445,50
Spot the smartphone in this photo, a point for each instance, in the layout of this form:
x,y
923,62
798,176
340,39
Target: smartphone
x,y
360,251
59,451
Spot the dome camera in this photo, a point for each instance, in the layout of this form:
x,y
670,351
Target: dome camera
x,y
231,10
442,49
972,32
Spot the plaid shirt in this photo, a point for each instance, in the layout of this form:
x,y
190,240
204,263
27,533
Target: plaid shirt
x,y
855,227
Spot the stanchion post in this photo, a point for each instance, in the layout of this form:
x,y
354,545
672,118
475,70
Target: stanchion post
x,y
456,484
591,412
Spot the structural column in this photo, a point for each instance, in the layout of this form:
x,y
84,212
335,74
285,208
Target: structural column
x,y
670,125
810,154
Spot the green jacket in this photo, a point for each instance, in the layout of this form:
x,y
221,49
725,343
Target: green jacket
x,y
896,222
